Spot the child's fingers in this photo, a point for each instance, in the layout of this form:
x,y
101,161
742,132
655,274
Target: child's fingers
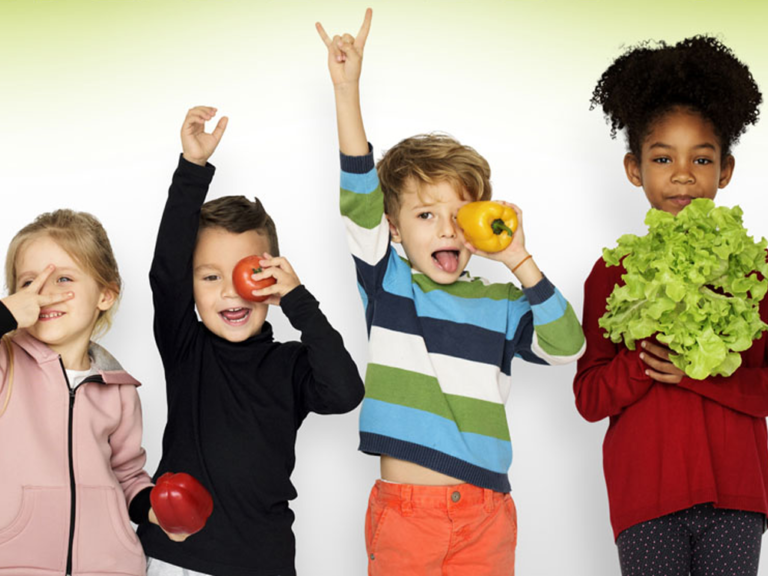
x,y
49,299
218,132
362,34
348,39
37,284
323,34
208,111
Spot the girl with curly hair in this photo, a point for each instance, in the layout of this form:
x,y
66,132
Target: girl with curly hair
x,y
685,461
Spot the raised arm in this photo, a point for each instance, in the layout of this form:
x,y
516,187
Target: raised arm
x,y
171,273
345,61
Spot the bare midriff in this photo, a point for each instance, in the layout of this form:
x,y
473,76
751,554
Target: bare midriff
x,y
403,472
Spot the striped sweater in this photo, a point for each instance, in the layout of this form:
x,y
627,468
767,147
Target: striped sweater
x,y
438,372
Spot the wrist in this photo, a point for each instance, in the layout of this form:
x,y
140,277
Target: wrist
x,y
193,160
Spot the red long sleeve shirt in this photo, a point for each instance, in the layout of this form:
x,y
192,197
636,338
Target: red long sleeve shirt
x,y
671,446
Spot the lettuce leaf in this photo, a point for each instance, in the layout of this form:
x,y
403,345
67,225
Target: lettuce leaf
x,y
690,281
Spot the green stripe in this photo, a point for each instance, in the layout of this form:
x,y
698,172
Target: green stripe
x,y
563,337
422,392
365,210
473,289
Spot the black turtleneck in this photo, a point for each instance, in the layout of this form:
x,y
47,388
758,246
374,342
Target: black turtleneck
x,y
234,408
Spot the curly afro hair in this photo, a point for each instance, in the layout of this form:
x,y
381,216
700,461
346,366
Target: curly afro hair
x,y
698,73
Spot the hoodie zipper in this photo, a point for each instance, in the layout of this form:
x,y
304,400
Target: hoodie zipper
x,y
72,490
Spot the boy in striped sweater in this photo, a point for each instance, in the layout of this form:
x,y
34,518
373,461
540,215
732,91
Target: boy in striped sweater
x,y
440,345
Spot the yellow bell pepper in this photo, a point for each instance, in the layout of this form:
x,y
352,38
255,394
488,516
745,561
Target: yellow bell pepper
x,y
487,225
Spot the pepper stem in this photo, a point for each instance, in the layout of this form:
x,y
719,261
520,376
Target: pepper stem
x,y
255,271
498,227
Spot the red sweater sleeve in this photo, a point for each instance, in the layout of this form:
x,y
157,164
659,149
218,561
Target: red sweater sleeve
x,y
609,377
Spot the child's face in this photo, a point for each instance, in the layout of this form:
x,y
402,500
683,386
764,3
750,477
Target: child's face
x,y
681,159
221,309
426,227
66,326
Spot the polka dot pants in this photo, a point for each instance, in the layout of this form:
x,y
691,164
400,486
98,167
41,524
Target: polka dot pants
x,y
700,541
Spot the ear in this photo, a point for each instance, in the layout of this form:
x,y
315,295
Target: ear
x,y
726,171
393,231
107,299
632,168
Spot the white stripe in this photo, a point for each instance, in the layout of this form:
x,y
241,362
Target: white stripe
x,y
555,360
369,245
455,375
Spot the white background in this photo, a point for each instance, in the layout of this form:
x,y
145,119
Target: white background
x,y
100,133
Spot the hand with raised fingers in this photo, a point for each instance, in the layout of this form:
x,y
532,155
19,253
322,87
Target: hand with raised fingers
x,y
281,270
198,145
345,52
660,367
176,537
26,304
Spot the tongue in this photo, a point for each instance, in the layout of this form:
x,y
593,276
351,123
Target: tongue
x,y
235,314
448,260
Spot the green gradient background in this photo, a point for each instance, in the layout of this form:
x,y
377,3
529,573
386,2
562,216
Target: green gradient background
x,y
93,94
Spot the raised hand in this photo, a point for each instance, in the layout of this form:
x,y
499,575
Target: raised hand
x,y
281,270
345,53
196,143
26,303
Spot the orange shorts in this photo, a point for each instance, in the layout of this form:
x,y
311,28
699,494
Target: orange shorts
x,y
457,530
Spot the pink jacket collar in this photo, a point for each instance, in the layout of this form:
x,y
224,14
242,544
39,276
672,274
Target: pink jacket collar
x,y
109,368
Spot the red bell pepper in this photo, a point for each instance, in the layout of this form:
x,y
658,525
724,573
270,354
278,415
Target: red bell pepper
x,y
182,505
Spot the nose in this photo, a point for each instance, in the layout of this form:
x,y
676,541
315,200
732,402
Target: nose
x,y
228,289
683,174
447,227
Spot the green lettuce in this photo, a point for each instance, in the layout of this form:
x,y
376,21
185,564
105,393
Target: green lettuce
x,y
690,281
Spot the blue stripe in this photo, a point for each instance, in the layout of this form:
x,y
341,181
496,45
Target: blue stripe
x,y
412,425
550,310
360,183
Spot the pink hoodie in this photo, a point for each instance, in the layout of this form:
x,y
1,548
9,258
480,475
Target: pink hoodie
x,y
60,504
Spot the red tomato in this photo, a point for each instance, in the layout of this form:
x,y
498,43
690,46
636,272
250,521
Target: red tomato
x,y
244,284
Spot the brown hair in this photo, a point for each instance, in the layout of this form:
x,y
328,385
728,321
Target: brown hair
x,y
81,236
428,159
237,214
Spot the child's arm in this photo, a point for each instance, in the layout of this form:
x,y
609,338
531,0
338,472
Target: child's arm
x,y
361,201
325,376
345,60
746,390
608,377
171,272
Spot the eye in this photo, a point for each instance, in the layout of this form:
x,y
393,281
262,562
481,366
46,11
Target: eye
x,y
64,279
662,160
702,161
25,283
424,215
210,278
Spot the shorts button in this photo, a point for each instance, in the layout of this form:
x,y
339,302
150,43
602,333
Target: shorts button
x,y
456,496
373,557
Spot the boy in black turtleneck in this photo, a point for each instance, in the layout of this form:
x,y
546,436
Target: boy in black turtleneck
x,y
235,396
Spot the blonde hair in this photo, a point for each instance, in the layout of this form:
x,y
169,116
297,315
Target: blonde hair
x,y
429,159
81,236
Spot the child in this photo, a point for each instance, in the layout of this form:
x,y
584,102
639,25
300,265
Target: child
x,y
70,418
686,462
236,397
441,344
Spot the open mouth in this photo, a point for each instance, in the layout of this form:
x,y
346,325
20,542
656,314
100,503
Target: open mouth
x,y
44,316
446,260
235,316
